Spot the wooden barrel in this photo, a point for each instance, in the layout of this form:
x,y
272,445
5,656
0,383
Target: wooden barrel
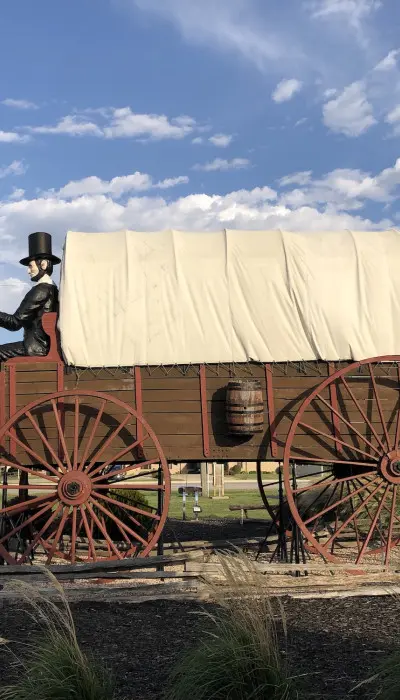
x,y
244,407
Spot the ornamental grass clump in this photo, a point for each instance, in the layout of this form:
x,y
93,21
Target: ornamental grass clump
x,y
53,667
239,658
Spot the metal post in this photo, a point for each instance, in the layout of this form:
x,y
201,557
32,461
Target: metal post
x,y
160,504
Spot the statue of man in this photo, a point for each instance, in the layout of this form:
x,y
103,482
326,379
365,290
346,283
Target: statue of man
x,y
42,298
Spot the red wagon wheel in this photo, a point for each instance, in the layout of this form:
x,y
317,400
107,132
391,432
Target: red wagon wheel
x,y
83,458
348,433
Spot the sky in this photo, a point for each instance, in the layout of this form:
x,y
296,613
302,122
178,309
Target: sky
x,y
154,114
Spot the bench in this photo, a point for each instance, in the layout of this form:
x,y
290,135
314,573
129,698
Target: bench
x,y
243,510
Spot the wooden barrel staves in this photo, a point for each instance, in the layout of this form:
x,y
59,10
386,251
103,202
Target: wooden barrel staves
x,y
244,407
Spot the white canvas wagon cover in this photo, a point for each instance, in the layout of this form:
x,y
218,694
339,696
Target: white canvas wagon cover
x,y
144,298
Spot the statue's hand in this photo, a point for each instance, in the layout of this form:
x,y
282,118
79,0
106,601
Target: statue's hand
x,y
10,322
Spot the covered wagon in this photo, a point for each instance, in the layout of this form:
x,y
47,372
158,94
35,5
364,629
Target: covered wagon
x,y
229,345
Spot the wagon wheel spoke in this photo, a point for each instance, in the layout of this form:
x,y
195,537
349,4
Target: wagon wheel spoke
x,y
73,535
52,548
344,499
18,507
131,467
363,513
61,433
93,431
92,434
96,520
373,524
355,513
379,405
335,439
130,507
371,516
91,546
38,536
337,481
125,529
45,441
38,458
117,457
15,530
363,414
326,403
114,502
108,442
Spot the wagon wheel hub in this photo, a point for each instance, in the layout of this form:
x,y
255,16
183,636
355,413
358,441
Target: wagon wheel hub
x,y
390,467
74,488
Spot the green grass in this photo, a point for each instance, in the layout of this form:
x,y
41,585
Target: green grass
x,y
215,508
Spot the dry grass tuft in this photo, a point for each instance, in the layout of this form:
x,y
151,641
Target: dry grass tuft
x,y
240,659
54,667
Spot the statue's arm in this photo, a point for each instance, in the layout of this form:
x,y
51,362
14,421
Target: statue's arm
x,y
27,310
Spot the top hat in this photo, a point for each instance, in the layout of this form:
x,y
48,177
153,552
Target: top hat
x,y
40,247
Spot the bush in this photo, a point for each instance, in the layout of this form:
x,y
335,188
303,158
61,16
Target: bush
x,y
236,469
240,659
127,497
54,667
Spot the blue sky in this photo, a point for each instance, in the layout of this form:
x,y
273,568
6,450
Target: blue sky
x,y
151,114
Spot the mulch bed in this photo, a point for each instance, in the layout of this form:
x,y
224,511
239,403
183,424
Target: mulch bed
x,y
336,643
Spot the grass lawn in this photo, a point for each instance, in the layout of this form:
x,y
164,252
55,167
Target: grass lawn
x,y
215,508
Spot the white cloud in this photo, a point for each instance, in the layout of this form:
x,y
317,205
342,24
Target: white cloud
x,y
19,104
232,26
17,193
221,164
394,115
126,124
12,290
301,178
221,140
286,89
344,188
71,125
349,113
17,167
349,15
330,92
353,10
331,202
116,188
197,140
389,62
301,121
120,123
12,137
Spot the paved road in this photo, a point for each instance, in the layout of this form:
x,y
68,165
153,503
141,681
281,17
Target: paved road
x,y
242,485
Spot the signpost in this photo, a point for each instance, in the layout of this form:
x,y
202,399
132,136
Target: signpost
x,y
195,491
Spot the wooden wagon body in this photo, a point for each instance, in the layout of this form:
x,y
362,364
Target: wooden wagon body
x,y
71,431
184,405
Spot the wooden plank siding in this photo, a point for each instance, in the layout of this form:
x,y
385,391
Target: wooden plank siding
x,y
172,406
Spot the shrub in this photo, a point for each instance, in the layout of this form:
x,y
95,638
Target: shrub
x,y
129,497
240,659
54,667
236,469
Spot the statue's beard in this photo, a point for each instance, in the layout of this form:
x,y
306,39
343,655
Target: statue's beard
x,y
38,276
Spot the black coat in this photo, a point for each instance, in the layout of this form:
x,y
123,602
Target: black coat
x,y
42,298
